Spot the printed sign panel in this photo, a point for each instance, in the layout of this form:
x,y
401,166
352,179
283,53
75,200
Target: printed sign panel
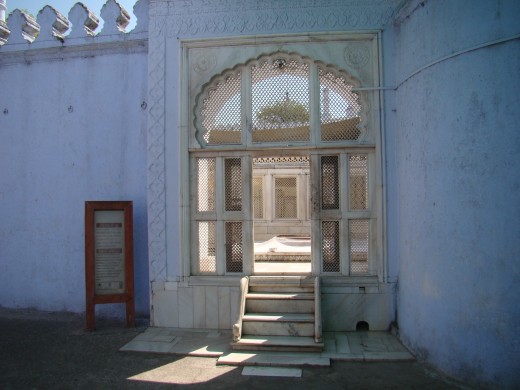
x,y
109,252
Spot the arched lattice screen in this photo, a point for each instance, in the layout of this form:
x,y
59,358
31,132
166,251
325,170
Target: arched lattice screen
x,y
278,105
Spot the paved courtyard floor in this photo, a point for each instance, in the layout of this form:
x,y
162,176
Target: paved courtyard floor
x,y
53,351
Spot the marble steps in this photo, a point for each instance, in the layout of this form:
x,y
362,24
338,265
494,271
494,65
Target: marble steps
x,y
280,296
286,284
278,324
284,302
278,343
279,315
285,289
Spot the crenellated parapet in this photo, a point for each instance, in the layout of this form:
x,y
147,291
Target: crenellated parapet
x,y
84,21
53,25
22,31
24,24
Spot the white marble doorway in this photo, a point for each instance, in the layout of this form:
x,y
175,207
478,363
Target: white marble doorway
x,y
281,214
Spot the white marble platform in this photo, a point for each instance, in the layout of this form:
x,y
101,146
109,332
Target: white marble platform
x,y
353,346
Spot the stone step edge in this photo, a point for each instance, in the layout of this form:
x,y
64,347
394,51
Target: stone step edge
x,y
288,278
280,288
300,341
279,317
280,296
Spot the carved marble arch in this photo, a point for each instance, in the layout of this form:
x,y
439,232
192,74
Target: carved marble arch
x,y
280,98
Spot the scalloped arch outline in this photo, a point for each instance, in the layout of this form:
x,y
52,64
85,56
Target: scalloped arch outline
x,y
271,58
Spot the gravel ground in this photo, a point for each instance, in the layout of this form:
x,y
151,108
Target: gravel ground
x,y
53,351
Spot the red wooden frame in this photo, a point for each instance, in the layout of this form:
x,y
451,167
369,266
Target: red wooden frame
x,y
127,296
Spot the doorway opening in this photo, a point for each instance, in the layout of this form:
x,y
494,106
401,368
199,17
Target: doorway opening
x,y
281,215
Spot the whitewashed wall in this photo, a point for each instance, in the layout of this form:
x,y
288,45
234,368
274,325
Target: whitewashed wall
x,y
73,117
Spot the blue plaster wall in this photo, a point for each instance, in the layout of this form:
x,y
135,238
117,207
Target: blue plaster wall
x,y
71,129
455,166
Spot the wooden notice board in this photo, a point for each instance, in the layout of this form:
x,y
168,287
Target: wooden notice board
x,y
109,257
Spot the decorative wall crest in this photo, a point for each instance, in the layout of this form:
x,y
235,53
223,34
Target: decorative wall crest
x,y
19,20
84,21
52,27
117,18
52,24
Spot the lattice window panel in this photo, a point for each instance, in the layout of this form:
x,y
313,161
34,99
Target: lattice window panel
x,y
358,182
282,257
285,197
206,184
233,184
339,108
358,246
234,249
258,197
329,182
330,246
207,234
292,162
221,113
280,101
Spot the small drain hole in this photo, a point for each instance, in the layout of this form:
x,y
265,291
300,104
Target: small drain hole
x,y
362,326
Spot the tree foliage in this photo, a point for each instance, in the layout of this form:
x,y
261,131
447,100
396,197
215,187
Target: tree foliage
x,y
288,111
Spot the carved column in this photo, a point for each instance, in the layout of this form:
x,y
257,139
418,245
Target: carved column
x,y
156,139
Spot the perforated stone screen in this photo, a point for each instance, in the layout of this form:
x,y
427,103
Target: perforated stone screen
x,y
286,162
280,101
258,197
221,112
285,197
339,108
330,246
233,184
206,184
358,246
358,182
330,182
207,247
234,250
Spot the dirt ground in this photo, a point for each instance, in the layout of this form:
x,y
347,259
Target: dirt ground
x,y
53,351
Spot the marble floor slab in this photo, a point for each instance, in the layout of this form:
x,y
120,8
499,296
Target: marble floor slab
x,y
353,346
181,342
273,359
272,371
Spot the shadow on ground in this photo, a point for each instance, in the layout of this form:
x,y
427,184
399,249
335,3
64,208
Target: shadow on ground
x,y
53,351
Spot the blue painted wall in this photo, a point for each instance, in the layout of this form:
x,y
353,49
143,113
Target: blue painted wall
x,y
456,187
71,129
